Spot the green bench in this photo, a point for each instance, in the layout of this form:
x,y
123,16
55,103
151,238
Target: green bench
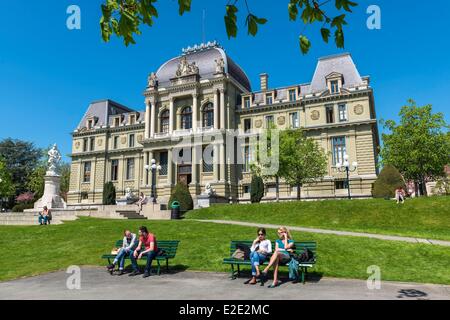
x,y
299,248
170,250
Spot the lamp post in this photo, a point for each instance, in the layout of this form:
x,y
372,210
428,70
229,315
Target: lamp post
x,y
346,167
154,168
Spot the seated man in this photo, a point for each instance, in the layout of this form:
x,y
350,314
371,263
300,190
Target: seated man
x,y
44,216
128,245
147,247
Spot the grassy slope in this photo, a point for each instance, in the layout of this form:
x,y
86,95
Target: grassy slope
x,y
37,250
424,217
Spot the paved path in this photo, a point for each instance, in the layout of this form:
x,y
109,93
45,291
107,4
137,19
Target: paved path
x,y
96,283
335,232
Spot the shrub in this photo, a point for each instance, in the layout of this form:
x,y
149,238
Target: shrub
x,y
183,196
388,180
256,189
22,206
109,194
26,197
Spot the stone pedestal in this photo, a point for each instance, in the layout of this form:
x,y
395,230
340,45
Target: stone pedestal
x,y
51,198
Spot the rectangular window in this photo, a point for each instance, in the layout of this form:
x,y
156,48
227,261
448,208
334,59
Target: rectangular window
x,y
339,150
342,112
294,120
246,164
163,160
246,189
87,172
117,121
334,86
132,119
269,122
247,125
271,188
89,126
92,144
247,102
340,185
114,170
131,141
116,142
292,95
269,98
329,114
130,169
85,144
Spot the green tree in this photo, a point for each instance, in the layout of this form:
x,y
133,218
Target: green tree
x,y
183,196
65,179
21,158
124,17
109,194
256,189
418,146
388,180
6,184
36,181
301,159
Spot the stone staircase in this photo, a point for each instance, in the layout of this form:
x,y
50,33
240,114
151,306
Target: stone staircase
x,y
131,214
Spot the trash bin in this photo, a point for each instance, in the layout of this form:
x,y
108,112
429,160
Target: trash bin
x,y
175,213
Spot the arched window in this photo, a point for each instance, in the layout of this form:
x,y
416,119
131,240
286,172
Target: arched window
x,y
165,121
186,118
208,115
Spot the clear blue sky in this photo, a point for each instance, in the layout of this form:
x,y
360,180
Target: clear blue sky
x,y
49,75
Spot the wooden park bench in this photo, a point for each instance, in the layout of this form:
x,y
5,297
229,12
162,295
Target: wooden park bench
x,y
169,248
299,248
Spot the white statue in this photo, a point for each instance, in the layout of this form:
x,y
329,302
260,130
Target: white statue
x,y
152,80
54,157
184,68
220,65
128,194
208,190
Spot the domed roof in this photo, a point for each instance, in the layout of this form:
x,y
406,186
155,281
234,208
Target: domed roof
x,y
204,57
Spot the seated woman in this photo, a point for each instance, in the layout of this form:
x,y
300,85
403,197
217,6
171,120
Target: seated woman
x,y
260,249
128,245
142,200
44,216
283,246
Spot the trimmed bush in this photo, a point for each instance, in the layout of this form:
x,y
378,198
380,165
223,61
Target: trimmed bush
x,y
22,206
256,189
109,194
183,196
388,180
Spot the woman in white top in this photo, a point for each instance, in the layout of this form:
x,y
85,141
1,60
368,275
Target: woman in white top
x,y
260,249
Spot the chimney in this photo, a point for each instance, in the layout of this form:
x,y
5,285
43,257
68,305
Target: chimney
x,y
264,81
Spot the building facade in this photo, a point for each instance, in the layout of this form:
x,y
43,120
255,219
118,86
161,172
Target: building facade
x,y
200,116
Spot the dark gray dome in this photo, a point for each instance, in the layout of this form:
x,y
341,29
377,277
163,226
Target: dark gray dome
x,y
205,61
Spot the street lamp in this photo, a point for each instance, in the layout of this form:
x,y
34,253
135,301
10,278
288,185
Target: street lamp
x,y
154,168
345,167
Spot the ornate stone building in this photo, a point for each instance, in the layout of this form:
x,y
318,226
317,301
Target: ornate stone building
x,y
195,104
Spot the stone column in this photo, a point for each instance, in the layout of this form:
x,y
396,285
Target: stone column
x,y
222,162
194,112
171,115
194,165
222,109
216,110
153,119
150,157
169,167
147,120
216,163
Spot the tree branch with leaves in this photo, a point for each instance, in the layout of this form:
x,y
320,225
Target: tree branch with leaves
x,y
124,17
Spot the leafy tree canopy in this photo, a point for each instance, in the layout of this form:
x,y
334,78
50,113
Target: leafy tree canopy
x,y
418,146
6,184
124,17
301,159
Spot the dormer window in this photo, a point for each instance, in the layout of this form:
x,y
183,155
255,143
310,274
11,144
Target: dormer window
x,y
334,86
116,121
247,102
132,119
269,98
292,95
90,124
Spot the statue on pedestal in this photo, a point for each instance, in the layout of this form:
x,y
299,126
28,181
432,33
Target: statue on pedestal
x,y
220,66
54,158
152,80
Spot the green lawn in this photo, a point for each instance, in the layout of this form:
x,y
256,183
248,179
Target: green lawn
x,y
422,217
32,250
